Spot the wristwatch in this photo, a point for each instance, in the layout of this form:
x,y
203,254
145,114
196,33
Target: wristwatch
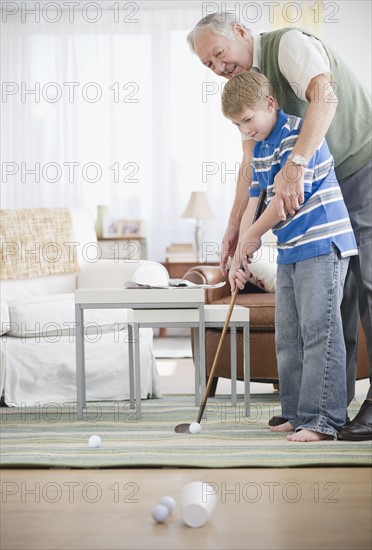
x,y
297,159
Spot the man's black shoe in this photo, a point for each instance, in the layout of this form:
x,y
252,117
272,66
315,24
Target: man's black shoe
x,y
277,420
360,428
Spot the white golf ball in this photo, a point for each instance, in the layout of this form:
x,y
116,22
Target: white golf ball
x,y
95,441
195,428
169,502
160,513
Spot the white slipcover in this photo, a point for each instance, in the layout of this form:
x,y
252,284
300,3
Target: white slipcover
x,y
37,355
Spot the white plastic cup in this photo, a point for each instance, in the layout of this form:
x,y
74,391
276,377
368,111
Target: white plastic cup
x,y
198,500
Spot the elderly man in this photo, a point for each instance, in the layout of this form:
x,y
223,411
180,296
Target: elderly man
x,y
311,81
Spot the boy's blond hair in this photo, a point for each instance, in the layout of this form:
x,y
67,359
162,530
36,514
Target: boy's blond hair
x,y
245,90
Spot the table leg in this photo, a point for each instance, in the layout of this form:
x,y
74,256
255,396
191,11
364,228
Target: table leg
x,y
233,362
131,366
80,361
247,370
201,329
197,344
137,370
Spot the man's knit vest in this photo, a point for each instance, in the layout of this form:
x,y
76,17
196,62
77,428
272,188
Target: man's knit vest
x,y
349,136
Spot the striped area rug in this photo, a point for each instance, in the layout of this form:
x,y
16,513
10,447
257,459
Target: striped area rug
x,y
50,436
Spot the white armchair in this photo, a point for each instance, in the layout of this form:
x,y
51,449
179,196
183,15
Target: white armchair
x,y
37,361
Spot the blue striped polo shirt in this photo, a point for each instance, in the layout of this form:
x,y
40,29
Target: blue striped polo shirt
x,y
323,220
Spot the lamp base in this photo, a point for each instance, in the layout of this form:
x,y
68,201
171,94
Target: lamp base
x,y
102,213
199,241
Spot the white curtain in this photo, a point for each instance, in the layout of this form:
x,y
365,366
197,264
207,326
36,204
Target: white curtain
x,y
109,112
103,103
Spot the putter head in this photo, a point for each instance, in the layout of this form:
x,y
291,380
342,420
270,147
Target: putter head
x,y
182,429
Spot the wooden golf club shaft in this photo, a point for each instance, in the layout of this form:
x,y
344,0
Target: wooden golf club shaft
x,y
259,209
216,357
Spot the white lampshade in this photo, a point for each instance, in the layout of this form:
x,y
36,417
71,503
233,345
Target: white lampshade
x,y
198,206
199,209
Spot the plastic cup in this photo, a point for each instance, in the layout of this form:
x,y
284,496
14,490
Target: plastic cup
x,y
198,500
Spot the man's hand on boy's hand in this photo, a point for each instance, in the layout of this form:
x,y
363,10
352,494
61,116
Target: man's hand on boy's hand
x,y
289,189
237,277
253,243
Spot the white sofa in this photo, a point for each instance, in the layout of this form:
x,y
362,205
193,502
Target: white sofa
x,y
37,362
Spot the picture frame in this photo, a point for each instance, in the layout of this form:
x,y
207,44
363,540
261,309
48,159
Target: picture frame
x,y
122,229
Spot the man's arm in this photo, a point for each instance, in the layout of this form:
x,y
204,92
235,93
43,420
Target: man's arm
x,y
231,235
289,182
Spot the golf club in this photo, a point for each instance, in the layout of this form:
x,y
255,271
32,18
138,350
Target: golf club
x,y
184,428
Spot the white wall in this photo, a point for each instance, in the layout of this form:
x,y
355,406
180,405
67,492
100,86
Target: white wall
x,y
351,36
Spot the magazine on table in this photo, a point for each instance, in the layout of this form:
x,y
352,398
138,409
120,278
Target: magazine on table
x,y
174,284
154,275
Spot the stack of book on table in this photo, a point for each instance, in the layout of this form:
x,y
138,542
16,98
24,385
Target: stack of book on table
x,y
180,252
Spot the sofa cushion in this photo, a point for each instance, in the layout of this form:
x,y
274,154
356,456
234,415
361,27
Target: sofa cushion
x,y
87,248
263,268
24,289
87,255
54,315
36,242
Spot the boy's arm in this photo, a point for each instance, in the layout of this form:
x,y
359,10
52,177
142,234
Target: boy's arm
x,y
254,197
248,216
249,242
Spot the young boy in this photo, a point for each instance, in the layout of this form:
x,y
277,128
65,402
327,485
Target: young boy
x,y
314,247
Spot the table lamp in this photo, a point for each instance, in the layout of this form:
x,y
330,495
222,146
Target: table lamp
x,y
102,213
198,208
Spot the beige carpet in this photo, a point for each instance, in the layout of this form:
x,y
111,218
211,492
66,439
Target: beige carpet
x,y
52,437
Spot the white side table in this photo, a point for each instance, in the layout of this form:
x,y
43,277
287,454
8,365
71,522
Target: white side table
x,y
214,317
151,307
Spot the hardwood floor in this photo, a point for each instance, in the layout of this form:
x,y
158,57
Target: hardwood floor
x,y
257,509
303,508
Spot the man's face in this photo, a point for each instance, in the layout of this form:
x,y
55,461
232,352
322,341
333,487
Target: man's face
x,y
225,56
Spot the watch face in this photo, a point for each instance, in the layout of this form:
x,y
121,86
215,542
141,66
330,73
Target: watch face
x,y
298,159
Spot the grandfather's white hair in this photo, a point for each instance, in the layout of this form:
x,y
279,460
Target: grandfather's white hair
x,y
220,22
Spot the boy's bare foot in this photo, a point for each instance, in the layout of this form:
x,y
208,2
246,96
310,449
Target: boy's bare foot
x,y
286,427
308,435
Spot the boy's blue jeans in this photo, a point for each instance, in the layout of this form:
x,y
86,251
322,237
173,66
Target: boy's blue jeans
x,y
310,344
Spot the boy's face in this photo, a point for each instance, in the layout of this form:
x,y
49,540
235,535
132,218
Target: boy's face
x,y
225,56
257,123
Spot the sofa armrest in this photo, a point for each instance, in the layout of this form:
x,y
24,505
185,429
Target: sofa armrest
x,y
4,318
210,275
